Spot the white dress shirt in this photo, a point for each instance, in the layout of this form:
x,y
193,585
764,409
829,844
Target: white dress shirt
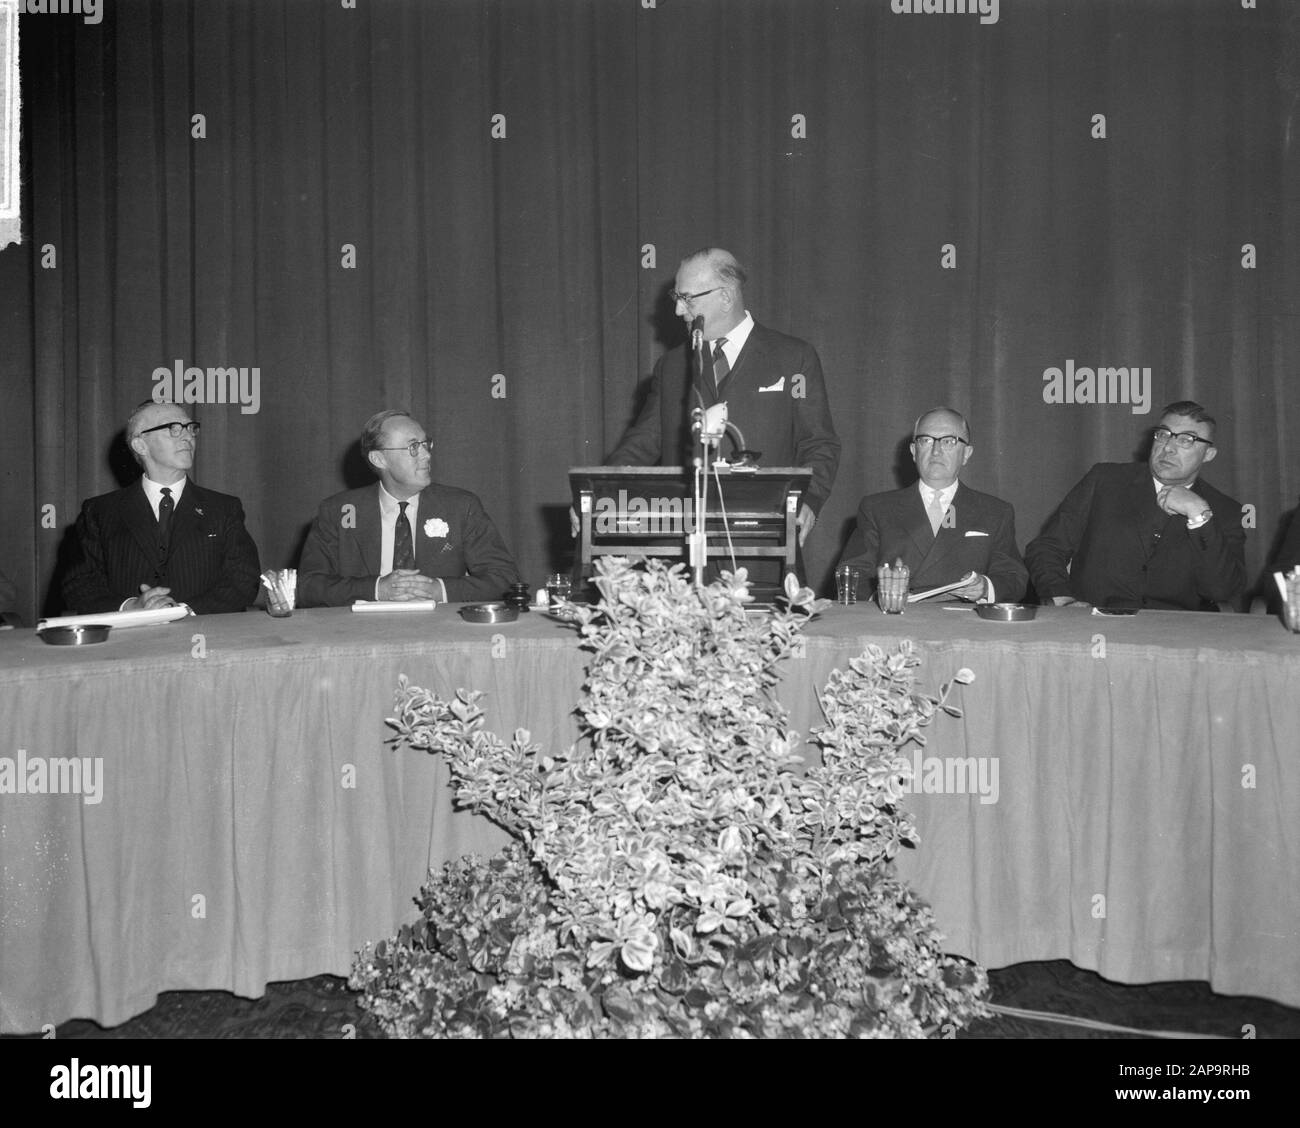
x,y
389,509
945,499
153,491
736,339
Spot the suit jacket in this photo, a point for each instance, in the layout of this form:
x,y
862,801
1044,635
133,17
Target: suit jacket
x,y
1288,553
788,420
895,525
1123,550
342,554
211,562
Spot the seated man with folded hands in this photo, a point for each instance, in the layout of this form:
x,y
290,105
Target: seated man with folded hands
x,y
406,537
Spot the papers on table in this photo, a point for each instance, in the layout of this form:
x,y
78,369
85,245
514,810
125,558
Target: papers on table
x,y
394,605
119,619
917,596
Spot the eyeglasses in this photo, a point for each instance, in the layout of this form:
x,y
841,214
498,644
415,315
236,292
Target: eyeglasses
x,y
1184,440
946,442
174,429
687,299
414,447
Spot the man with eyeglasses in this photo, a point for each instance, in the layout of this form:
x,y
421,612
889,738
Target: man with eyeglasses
x,y
406,537
1159,536
162,540
942,530
772,384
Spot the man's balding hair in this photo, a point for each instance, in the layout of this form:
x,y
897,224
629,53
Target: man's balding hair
x,y
372,434
916,427
722,263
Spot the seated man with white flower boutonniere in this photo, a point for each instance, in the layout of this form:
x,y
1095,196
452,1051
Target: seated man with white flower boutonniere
x,y
404,538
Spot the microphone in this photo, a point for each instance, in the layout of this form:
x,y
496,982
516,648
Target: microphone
x,y
697,333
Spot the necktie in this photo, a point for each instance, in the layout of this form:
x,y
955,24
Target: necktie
x,y
403,550
165,508
935,511
720,365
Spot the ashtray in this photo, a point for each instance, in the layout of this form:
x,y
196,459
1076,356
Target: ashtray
x,y
75,636
1006,612
489,613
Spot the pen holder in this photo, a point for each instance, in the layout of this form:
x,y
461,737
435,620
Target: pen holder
x,y
281,592
891,588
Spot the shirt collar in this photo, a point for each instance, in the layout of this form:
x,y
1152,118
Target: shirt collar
x,y
389,506
945,494
1161,487
736,339
153,490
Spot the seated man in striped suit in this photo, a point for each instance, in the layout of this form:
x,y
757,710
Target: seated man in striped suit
x,y
162,540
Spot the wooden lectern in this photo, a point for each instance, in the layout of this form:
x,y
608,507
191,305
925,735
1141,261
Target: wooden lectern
x,y
647,511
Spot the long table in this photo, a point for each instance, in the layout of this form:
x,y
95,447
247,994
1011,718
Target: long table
x,y
1120,792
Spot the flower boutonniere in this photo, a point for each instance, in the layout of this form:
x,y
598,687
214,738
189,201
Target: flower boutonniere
x,y
436,527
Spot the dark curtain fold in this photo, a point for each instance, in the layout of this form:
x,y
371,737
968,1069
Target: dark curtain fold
x,y
350,228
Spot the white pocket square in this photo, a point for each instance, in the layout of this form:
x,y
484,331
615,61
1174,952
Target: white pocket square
x,y
779,386
975,533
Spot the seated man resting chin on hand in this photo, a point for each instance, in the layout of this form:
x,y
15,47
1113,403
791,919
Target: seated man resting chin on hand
x,y
1157,535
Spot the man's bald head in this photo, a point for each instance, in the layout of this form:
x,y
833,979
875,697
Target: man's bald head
x,y
710,284
940,446
722,264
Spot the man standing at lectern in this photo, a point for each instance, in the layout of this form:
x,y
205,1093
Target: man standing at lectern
x,y
772,385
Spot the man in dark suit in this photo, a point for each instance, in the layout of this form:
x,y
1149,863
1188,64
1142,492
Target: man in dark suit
x,y
1159,535
939,528
1288,553
404,538
162,540
772,385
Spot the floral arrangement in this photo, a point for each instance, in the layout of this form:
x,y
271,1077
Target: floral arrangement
x,y
679,872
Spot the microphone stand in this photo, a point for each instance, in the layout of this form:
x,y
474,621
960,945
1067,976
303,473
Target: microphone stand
x,y
697,539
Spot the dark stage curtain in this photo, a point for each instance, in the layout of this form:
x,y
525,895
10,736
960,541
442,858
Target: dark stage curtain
x,y
510,290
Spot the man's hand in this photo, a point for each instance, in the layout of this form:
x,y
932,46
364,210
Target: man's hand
x,y
402,585
805,522
149,599
973,591
1179,499
575,526
1069,601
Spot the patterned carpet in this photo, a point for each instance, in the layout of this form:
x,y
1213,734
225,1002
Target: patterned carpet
x,y
324,1008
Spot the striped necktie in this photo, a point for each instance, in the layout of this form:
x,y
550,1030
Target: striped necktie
x,y
403,549
720,365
